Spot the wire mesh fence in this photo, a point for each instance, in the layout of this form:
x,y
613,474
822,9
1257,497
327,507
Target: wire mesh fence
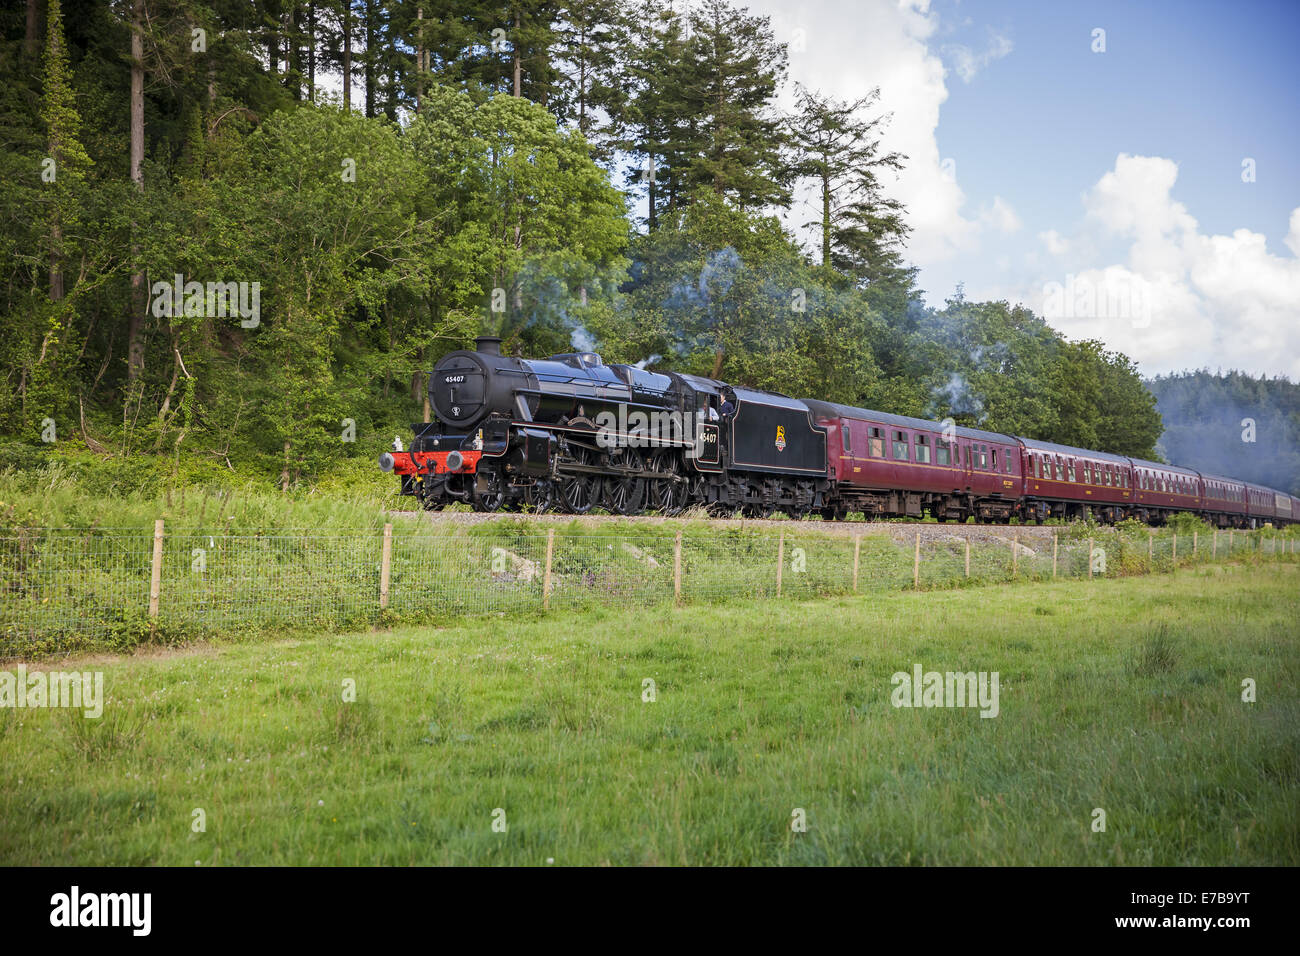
x,y
69,589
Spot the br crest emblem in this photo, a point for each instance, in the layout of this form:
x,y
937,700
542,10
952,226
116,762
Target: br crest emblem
x,y
780,438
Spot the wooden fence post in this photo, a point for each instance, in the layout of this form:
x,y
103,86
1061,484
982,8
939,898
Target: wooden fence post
x,y
155,573
385,565
1194,542
1054,543
1151,549
546,581
677,570
968,555
1015,553
1231,532
857,552
780,562
916,563
1090,558
1175,554
1214,544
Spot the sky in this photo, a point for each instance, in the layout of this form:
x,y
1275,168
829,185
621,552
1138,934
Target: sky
x,y
1129,170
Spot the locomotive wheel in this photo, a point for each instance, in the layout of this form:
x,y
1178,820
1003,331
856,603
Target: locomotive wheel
x,y
541,497
580,492
625,496
494,497
663,494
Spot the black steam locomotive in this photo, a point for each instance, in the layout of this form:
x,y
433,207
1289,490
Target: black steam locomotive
x,y
569,433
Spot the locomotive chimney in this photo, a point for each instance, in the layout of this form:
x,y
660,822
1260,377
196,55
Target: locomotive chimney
x,y
488,345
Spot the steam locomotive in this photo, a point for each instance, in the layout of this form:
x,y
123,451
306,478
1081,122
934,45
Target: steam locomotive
x,y
569,433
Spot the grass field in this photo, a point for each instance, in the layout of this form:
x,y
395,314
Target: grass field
x,y
1123,695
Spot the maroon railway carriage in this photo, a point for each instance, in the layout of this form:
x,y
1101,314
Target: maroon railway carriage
x,y
1224,501
894,465
1066,482
1261,505
1164,489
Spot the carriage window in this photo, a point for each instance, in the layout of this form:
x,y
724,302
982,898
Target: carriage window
x,y
876,443
942,453
994,455
848,441
1070,471
1060,470
983,461
1006,462
922,448
1106,474
900,446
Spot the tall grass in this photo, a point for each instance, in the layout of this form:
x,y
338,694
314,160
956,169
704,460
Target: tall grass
x,y
1123,695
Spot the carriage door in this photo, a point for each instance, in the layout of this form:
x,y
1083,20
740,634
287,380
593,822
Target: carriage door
x,y
706,431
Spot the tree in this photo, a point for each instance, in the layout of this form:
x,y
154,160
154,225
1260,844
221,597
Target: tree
x,y
1102,403
735,136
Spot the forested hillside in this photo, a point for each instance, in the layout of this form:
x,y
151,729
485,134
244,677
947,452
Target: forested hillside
x,y
218,253
1232,424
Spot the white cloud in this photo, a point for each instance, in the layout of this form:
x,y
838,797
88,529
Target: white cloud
x,y
967,62
1000,216
847,49
1056,244
1182,299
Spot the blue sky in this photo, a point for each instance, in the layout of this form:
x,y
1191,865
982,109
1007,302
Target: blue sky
x,y
1203,83
1037,163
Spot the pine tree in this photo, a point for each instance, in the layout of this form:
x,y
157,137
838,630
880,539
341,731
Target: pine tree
x,y
728,95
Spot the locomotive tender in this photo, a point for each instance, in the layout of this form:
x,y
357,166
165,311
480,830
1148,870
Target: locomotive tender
x,y
569,433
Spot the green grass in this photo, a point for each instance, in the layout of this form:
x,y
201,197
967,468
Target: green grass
x,y
1121,694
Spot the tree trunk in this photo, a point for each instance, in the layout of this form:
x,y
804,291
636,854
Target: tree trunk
x,y
370,59
519,71
652,219
293,52
311,52
826,219
134,348
56,260
347,56
30,40
419,59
